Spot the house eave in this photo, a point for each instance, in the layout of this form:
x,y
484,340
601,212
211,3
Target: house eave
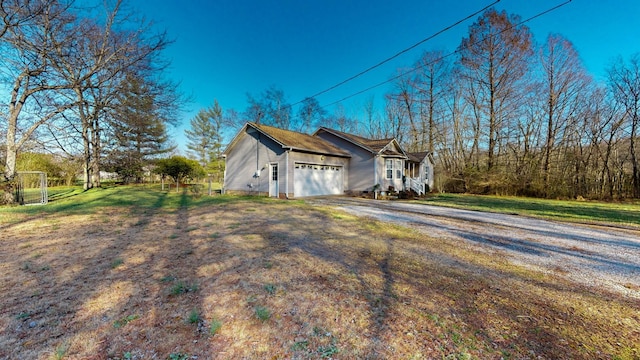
x,y
293,148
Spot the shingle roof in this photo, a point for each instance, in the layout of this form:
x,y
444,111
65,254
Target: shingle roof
x,y
375,145
417,156
299,141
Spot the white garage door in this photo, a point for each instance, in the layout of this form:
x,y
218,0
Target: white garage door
x,y
314,180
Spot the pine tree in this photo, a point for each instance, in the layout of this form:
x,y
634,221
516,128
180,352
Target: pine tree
x,y
140,131
205,138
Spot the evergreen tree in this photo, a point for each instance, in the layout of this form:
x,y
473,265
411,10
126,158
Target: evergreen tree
x,y
205,138
140,131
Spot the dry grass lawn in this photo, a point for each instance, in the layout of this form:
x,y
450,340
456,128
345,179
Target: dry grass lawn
x,y
267,279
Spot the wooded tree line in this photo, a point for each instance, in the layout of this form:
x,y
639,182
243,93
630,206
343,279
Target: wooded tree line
x,y
505,115
84,80
502,115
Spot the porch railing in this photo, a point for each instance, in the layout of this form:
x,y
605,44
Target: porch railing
x,y
417,185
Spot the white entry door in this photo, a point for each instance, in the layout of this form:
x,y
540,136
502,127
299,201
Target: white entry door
x,y
273,180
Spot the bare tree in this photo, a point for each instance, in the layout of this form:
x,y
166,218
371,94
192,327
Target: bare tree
x,y
374,127
565,79
624,78
270,108
494,59
310,115
340,121
96,66
30,34
430,82
402,112
605,138
15,13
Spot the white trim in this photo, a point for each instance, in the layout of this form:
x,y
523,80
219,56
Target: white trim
x,y
286,175
277,181
386,169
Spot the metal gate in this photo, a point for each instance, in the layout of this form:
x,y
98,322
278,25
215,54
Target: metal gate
x,y
31,188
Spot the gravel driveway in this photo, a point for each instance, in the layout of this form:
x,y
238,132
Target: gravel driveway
x,y
600,256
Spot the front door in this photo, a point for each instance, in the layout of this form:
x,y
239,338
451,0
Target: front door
x,y
273,180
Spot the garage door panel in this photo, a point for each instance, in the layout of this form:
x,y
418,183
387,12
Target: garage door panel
x,y
315,180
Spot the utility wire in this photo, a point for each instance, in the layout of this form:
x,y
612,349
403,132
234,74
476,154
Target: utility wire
x,y
398,53
444,56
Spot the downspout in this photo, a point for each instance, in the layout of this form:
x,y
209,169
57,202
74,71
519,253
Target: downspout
x,y
286,176
375,177
258,153
258,169
224,175
375,170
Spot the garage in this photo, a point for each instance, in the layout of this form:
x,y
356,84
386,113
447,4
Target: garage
x,y
316,179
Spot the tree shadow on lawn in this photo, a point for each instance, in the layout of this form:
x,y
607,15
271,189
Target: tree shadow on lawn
x,y
339,288
132,276
334,268
468,308
88,202
575,245
94,291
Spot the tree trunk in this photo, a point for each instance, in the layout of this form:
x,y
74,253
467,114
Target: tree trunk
x,y
11,152
635,176
492,116
86,159
431,110
96,149
550,134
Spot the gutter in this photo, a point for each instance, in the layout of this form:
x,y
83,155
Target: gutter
x,y
224,174
293,148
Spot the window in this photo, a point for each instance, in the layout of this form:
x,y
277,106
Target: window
x,y
426,173
398,169
389,167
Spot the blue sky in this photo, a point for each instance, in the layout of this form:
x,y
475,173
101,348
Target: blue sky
x,y
225,49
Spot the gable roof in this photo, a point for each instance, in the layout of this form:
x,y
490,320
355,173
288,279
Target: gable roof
x,y
376,146
292,140
417,156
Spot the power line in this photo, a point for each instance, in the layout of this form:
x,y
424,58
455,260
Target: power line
x,y
444,56
398,53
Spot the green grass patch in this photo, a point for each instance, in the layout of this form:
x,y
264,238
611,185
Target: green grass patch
x,y
182,287
61,351
139,199
270,289
262,313
168,278
327,351
23,315
566,210
215,327
194,317
124,321
178,356
300,345
117,262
